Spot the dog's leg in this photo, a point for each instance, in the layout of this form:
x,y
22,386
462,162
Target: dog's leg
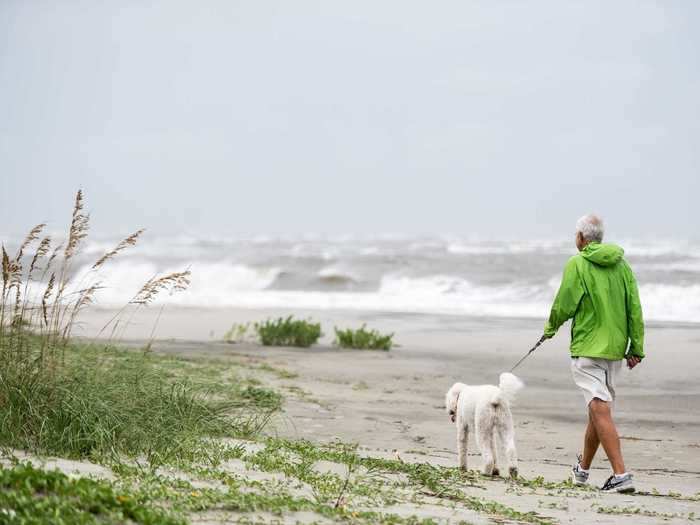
x,y
484,439
462,438
507,438
498,453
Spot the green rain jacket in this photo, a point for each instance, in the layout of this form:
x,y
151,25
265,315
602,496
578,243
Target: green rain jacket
x,y
599,291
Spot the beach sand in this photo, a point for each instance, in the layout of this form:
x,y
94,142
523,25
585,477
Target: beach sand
x,y
392,402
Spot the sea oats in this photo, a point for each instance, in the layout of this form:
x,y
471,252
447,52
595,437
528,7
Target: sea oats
x,y
78,227
31,237
54,254
45,298
125,243
41,251
5,268
173,282
86,297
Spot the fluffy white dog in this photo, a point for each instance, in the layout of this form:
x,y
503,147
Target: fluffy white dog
x,y
485,409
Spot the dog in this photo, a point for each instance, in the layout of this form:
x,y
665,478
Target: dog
x,y
485,410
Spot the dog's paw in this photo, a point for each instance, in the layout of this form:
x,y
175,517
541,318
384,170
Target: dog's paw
x,y
487,470
463,468
513,471
495,472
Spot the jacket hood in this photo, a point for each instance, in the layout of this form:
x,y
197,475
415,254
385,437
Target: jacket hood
x,y
603,254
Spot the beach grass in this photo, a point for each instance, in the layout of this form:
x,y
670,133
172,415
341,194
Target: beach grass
x,y
287,331
81,399
363,339
107,404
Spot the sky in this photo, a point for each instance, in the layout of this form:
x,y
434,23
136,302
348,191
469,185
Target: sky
x,y
487,118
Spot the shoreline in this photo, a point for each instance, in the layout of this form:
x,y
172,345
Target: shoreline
x,y
209,324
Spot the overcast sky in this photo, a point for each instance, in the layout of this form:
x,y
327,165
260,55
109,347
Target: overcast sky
x,y
493,118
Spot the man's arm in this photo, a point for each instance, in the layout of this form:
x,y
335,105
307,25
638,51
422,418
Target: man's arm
x,y
567,300
635,320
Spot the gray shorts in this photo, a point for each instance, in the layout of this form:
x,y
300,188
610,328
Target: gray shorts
x,y
595,377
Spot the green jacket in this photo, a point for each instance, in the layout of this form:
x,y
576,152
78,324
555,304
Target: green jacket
x,y
599,291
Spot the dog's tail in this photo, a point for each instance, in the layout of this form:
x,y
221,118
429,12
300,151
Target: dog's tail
x,y
509,385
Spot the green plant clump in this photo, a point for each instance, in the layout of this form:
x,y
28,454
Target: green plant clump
x,y
288,332
363,339
30,496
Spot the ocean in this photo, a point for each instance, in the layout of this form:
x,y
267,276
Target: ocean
x,y
388,273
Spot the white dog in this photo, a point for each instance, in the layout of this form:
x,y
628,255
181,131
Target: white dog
x,y
485,409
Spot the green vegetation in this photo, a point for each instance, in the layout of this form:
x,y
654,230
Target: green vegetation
x,y
363,339
637,511
32,496
373,486
83,400
354,491
326,494
288,332
240,333
109,403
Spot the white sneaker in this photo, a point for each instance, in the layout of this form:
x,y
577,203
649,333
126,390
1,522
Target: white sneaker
x,y
621,484
578,475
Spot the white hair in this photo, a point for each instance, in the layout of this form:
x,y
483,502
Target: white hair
x,y
591,228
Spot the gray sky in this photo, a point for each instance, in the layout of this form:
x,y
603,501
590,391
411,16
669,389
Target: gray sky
x,y
490,118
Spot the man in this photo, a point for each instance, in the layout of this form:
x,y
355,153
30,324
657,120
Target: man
x,y
599,291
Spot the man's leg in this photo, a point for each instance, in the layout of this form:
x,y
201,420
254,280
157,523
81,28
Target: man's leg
x,y
600,415
590,444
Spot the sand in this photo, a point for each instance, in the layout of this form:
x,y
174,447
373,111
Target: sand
x,y
391,402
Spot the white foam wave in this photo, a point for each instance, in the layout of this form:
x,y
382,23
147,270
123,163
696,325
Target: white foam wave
x,y
449,294
228,284
212,284
665,302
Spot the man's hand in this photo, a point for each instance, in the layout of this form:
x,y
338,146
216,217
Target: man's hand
x,y
633,361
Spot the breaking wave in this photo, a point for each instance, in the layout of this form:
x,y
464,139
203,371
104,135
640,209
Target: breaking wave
x,y
227,284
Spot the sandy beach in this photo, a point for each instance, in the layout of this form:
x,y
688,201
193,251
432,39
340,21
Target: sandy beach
x,y
390,403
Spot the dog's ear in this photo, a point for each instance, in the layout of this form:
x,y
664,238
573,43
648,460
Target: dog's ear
x,y
451,398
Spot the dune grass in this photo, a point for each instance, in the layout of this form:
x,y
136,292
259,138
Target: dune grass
x,y
287,331
106,404
92,400
363,339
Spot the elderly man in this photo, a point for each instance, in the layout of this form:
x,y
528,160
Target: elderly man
x,y
599,291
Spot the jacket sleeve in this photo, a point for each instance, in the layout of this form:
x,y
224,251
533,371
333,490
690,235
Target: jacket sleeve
x,y
635,320
567,300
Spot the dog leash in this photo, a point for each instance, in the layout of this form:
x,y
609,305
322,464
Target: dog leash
x,y
542,340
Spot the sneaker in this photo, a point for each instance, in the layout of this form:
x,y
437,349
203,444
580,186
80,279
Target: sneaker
x,y
579,476
619,484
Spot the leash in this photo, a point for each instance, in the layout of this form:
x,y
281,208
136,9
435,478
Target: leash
x,y
542,340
